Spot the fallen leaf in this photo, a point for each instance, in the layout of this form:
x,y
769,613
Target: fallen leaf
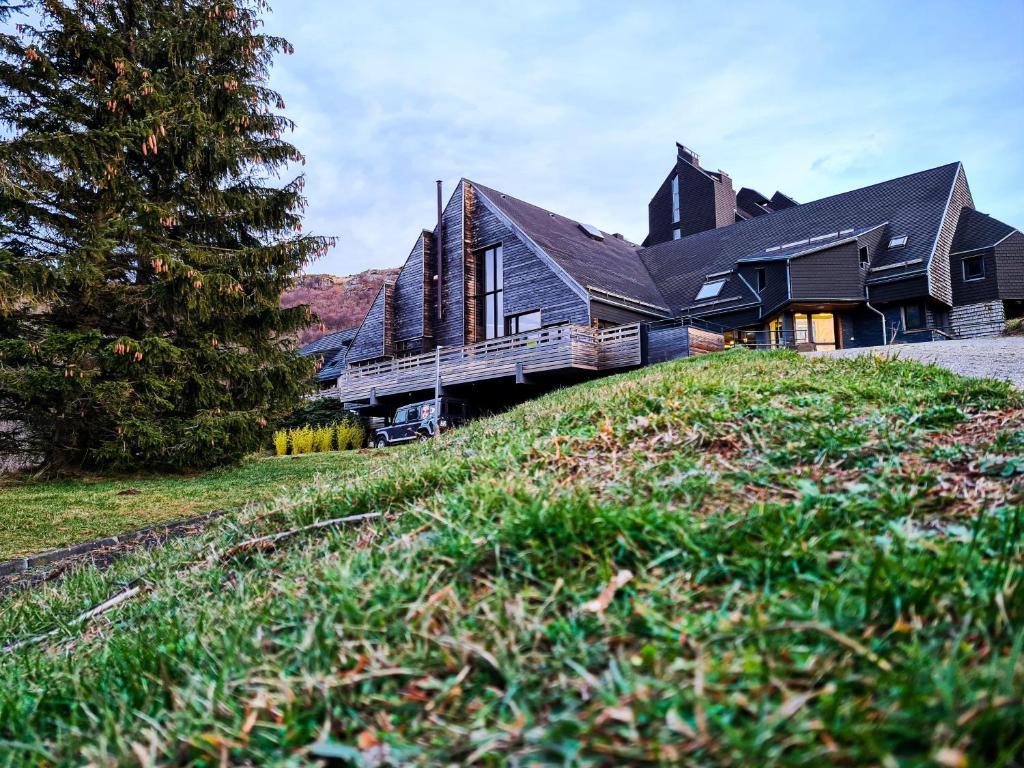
x,y
600,603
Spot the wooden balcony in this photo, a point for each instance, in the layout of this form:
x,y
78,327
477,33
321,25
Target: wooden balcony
x,y
550,349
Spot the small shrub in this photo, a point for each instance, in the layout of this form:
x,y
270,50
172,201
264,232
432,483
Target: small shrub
x,y
281,442
323,439
1014,327
350,436
302,440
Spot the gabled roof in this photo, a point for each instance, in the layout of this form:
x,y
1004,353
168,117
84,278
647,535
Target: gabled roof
x,y
978,230
332,342
611,265
913,205
333,367
752,202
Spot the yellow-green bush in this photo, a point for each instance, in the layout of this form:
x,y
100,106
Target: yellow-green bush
x,y
323,439
302,440
350,436
343,436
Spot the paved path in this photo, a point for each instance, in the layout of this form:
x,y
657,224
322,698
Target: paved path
x,y
999,358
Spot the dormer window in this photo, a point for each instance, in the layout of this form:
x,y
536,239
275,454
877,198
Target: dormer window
x,y
864,259
762,278
974,268
897,242
709,290
675,198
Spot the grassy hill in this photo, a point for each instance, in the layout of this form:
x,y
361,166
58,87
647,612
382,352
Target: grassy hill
x,y
742,559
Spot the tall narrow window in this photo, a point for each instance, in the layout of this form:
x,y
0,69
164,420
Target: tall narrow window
x,y
762,278
675,198
493,297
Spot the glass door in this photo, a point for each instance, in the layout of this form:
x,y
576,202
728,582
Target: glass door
x,y
823,331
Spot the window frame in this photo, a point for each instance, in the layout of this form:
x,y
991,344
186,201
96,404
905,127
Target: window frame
x,y
897,242
514,320
920,305
978,258
720,282
492,263
865,257
676,210
761,279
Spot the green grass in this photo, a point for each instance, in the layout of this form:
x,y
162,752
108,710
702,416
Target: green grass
x,y
826,561
45,515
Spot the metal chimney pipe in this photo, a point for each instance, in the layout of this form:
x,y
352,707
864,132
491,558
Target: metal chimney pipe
x,y
439,247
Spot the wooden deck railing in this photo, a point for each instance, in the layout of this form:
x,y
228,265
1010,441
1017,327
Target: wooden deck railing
x,y
560,347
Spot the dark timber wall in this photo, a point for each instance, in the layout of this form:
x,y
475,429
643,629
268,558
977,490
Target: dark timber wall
x,y
974,291
368,343
409,296
609,313
833,273
913,287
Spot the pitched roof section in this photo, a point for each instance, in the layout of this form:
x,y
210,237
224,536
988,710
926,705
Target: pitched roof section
x,y
611,264
331,342
978,230
334,366
913,205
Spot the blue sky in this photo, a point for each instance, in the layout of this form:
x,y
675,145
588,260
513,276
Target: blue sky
x,y
576,106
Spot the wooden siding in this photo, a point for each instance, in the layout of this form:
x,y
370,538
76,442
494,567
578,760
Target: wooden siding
x,y
368,343
429,290
940,285
388,290
832,273
529,283
472,276
611,313
451,328
1010,266
408,295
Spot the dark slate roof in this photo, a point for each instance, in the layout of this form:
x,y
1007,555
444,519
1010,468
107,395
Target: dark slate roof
x,y
978,230
806,245
333,367
913,205
610,265
332,342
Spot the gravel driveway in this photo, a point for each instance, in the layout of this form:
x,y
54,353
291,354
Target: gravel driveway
x,y
998,358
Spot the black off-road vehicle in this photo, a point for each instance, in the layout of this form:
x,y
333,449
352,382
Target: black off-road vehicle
x,y
419,421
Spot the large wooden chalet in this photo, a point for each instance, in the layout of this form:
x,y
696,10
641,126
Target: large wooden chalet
x,y
502,294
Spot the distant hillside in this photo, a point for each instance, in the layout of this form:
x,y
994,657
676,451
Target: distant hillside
x,y
340,302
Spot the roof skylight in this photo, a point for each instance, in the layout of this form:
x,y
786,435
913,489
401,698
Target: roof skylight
x,y
592,231
897,242
710,289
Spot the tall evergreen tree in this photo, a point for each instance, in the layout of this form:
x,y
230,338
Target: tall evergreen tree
x,y
145,237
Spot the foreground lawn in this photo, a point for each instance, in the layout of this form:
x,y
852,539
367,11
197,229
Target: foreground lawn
x,y
40,516
743,559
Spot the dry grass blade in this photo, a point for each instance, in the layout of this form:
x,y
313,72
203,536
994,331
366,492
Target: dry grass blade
x,y
269,542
